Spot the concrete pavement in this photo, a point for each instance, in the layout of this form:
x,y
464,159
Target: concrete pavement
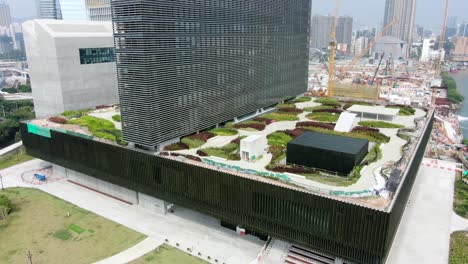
x,y
190,231
134,252
424,232
10,148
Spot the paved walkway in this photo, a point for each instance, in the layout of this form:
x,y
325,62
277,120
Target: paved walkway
x,y
10,148
391,152
459,223
192,231
424,232
134,252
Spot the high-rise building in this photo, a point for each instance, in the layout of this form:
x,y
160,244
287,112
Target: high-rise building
x,y
99,10
321,30
404,11
71,64
185,66
5,16
463,29
73,10
452,22
344,30
48,9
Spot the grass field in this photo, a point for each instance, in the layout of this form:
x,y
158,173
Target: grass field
x,y
56,231
13,159
460,199
166,254
459,248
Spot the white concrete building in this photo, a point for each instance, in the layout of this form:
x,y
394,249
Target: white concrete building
x,y
72,65
391,46
427,53
252,147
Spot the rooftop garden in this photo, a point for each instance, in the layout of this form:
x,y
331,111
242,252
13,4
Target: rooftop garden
x,y
100,128
229,151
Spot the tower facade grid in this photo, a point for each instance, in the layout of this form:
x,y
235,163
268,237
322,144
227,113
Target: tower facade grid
x,y
185,66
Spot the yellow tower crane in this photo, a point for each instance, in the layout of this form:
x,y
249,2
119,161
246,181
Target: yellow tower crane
x,y
331,60
442,39
438,66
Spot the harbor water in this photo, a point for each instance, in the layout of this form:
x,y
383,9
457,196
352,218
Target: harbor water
x,y
462,86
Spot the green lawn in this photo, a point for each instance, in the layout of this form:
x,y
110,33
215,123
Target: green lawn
x,y
460,199
166,254
459,248
14,158
56,231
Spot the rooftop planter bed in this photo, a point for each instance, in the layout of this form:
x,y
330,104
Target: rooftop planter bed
x,y
319,107
176,147
404,110
365,129
281,116
328,101
197,140
302,99
335,111
324,117
100,128
329,126
75,113
379,124
371,136
117,118
279,139
229,152
250,125
264,120
223,131
58,120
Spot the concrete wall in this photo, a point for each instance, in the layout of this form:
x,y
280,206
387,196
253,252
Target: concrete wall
x,y
59,81
144,201
98,185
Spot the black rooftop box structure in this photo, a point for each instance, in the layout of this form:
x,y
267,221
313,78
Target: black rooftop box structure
x,y
328,152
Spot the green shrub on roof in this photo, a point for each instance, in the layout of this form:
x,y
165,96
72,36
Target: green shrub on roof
x,y
76,113
328,101
222,131
100,128
116,118
379,124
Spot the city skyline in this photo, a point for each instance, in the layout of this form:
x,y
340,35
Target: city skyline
x,y
425,14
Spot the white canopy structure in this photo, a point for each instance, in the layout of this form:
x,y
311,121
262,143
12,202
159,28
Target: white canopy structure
x,y
374,112
345,122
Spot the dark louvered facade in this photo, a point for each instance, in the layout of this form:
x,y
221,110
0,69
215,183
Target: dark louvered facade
x,y
185,66
350,231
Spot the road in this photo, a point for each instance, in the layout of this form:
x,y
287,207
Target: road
x,y
424,232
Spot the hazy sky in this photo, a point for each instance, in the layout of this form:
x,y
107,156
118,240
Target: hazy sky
x,y
365,12
371,12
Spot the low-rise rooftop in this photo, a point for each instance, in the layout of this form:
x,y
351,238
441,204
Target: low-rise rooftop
x,y
219,148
